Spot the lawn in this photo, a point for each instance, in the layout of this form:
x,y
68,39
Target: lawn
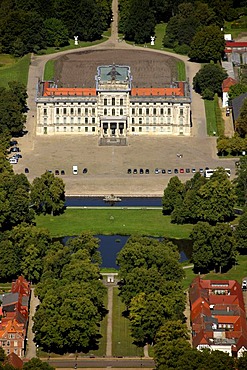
x,y
237,272
12,69
210,117
49,70
149,222
121,339
181,71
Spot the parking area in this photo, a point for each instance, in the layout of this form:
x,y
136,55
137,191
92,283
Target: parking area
x,y
107,166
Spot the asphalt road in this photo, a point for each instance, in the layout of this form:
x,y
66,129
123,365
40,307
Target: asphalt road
x,y
102,363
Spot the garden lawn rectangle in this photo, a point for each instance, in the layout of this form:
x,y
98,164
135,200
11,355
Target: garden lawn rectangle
x,y
210,117
121,339
149,222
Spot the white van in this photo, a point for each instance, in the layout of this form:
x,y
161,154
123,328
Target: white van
x,y
75,170
13,160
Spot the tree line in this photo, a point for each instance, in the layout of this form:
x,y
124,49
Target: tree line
x,y
29,26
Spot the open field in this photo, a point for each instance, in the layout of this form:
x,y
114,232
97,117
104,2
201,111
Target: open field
x,y
113,221
121,339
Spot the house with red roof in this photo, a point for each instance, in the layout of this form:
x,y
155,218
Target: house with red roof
x,y
14,319
218,317
226,84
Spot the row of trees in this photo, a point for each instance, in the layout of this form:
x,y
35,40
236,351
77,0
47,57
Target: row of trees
x,y
200,199
172,351
71,296
150,286
234,145
28,26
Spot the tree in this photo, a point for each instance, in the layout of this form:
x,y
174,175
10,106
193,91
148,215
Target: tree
x,y
242,362
240,124
47,194
56,33
237,90
241,182
173,195
213,247
37,364
209,77
140,24
208,44
241,232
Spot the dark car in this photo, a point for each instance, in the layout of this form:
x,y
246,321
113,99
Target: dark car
x,y
56,172
62,172
187,170
15,149
135,171
129,171
17,155
26,170
84,170
141,171
176,170
147,171
156,171
163,171
13,143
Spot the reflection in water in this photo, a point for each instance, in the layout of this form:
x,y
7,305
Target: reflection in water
x,y
110,246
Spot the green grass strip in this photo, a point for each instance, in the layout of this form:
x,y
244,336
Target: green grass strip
x,y
210,117
18,71
49,72
121,339
218,115
181,71
113,221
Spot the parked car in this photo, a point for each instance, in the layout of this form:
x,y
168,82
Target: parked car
x,y
193,170
84,170
17,155
187,170
169,172
15,149
176,170
13,143
163,171
26,170
129,171
62,172
147,171
244,284
156,171
135,171
181,170
13,160
141,171
201,170
56,172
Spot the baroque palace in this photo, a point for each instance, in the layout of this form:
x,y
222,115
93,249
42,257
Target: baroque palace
x,y
113,110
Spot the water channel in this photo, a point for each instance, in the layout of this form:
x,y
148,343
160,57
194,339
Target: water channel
x,y
74,201
110,246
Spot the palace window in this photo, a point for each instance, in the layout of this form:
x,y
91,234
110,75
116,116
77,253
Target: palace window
x,y
105,101
181,112
140,129
154,111
133,129
64,111
140,121
93,110
113,112
86,120
79,110
65,129
133,110
113,101
45,111
169,111
121,112
161,111
71,129
57,129
93,129
133,120
93,120
71,110
86,111
121,101
86,129
147,110
140,110
79,129
105,112
57,110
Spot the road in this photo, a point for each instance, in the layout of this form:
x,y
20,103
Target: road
x,y
31,347
102,363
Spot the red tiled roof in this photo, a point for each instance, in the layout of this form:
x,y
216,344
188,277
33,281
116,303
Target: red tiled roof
x,y
14,360
236,44
67,91
158,91
227,83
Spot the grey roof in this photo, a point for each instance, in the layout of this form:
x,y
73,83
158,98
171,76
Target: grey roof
x,y
237,104
113,72
10,298
25,300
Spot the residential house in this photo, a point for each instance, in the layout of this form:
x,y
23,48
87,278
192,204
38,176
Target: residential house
x,y
226,84
14,318
218,316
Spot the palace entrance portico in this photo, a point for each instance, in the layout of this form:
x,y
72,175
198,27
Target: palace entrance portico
x,y
113,127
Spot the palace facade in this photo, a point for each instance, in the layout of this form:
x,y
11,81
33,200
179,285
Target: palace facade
x,y
113,109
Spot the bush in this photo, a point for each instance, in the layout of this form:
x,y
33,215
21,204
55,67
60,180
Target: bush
x,y
182,49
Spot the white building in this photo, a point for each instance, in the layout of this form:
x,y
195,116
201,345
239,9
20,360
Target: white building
x,y
113,110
